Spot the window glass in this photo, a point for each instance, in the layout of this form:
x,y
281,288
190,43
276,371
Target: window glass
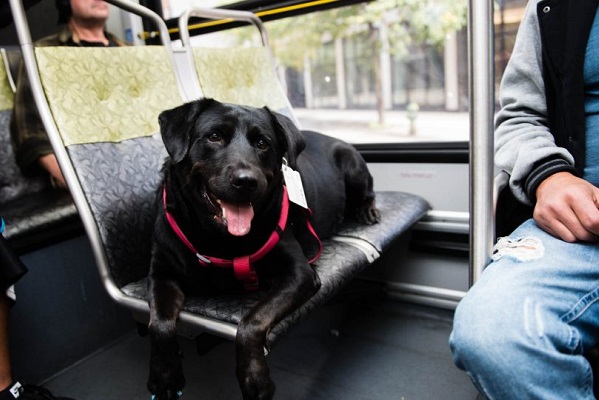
x,y
508,14
374,72
380,72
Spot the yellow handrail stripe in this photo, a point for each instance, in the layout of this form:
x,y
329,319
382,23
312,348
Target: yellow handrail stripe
x,y
146,35
294,7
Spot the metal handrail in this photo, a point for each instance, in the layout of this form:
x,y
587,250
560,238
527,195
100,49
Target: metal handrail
x,y
219,14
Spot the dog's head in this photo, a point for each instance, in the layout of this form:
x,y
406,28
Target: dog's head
x,y
231,155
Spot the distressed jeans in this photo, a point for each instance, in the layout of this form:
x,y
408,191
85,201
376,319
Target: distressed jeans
x,y
521,330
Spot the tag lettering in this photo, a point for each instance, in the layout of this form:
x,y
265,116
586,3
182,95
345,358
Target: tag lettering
x,y
15,390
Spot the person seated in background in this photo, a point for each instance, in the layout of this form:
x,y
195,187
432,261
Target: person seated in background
x,y
83,24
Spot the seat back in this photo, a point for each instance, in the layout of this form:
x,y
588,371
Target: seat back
x,y
106,103
239,75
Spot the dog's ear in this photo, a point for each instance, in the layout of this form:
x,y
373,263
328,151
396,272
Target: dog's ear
x,y
176,125
289,134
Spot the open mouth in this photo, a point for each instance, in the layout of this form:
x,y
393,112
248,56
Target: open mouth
x,y
237,217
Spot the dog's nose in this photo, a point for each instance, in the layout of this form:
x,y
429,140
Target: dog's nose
x,y
244,179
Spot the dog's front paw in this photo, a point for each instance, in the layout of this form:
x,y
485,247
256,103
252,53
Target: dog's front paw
x,y
258,390
166,386
166,379
255,382
167,395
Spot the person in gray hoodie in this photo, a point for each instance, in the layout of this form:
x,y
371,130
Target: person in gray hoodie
x,y
522,330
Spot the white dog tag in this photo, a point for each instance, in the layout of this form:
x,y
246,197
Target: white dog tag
x,y
295,189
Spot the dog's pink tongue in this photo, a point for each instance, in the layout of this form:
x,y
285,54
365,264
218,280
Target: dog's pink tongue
x,y
239,218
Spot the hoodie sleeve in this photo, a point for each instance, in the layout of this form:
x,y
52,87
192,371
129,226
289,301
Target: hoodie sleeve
x,y
524,146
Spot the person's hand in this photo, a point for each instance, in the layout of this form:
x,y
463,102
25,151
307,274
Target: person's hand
x,y
50,164
568,208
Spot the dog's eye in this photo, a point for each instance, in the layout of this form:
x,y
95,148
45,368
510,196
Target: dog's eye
x,y
262,144
214,137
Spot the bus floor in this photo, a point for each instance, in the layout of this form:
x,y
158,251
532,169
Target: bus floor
x,y
351,350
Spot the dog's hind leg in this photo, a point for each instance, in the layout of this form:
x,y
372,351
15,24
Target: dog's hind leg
x,y
297,284
360,196
166,378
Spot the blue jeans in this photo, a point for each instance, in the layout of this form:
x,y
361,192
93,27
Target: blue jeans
x,y
521,330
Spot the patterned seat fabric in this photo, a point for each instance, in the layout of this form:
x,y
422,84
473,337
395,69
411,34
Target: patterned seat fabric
x,y
240,76
119,180
100,95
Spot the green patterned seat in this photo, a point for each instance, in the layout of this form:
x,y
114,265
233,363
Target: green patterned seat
x,y
107,95
243,75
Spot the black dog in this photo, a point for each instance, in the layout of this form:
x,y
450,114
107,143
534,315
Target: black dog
x,y
223,198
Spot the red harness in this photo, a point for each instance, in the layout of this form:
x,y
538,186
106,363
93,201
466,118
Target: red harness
x,y
243,265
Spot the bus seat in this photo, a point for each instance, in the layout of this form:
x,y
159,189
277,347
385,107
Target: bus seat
x,y
34,213
106,104
103,105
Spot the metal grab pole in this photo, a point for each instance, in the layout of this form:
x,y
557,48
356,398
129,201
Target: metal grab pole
x,y
482,100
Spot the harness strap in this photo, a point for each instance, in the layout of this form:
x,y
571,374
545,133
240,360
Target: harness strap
x,y
174,225
313,232
244,271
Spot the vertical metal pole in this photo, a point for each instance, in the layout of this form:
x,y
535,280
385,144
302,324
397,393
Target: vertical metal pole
x,y
482,100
